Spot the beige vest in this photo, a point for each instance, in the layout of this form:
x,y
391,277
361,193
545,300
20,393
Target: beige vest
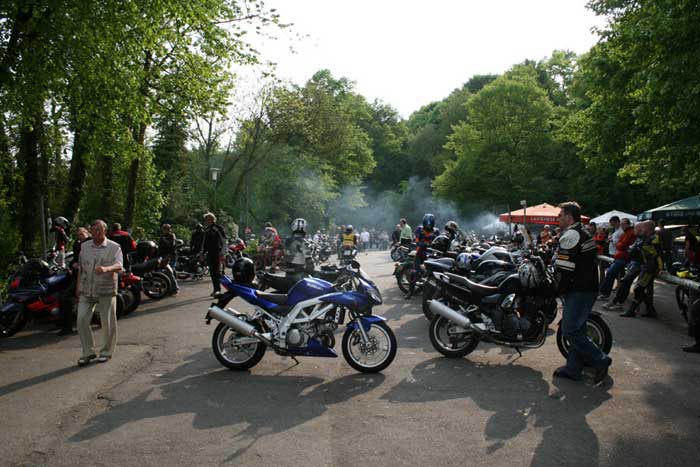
x,y
91,256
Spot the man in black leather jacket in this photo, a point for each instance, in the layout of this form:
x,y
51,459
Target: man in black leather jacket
x,y
577,278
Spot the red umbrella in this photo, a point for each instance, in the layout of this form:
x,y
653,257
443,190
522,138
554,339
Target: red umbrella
x,y
540,215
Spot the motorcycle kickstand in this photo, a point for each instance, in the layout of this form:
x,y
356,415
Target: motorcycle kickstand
x,y
296,362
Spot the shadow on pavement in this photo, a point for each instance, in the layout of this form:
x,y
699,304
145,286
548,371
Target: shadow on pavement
x,y
519,397
273,404
10,388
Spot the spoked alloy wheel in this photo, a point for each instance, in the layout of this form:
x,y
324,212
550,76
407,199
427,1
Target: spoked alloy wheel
x,y
451,340
374,356
598,332
235,351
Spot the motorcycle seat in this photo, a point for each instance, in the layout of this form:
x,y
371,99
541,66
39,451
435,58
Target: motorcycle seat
x,y
277,298
443,264
478,289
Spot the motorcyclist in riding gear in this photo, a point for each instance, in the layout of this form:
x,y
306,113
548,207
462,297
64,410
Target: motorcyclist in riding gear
x,y
124,240
297,252
452,231
425,234
651,262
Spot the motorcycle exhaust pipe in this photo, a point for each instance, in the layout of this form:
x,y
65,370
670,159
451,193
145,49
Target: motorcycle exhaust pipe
x,y
234,322
447,312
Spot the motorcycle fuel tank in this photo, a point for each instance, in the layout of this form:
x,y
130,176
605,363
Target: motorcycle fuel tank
x,y
308,288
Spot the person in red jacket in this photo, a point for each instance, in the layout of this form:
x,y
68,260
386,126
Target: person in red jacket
x,y
622,258
124,240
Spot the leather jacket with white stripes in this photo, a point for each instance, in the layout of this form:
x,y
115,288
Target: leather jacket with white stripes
x,y
575,267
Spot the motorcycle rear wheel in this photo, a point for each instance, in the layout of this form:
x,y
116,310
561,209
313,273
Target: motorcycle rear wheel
x,y
135,299
429,293
440,332
596,329
235,357
157,286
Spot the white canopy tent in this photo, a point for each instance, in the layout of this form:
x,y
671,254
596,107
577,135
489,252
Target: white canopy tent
x,y
604,219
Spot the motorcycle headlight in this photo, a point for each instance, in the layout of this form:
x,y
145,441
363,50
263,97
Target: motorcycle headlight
x,y
375,295
507,303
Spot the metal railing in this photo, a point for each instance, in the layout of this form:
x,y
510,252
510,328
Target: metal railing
x,y
665,277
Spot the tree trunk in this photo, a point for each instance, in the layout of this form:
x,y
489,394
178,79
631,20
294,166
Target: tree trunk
x,y
28,156
139,138
76,176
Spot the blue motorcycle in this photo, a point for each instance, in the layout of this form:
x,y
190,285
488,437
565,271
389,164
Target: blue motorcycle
x,y
303,323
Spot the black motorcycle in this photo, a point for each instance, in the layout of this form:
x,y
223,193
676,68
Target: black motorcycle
x,y
281,282
516,313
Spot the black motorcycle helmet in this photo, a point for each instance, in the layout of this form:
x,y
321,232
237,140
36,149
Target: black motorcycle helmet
x,y
33,269
146,249
243,270
428,221
441,243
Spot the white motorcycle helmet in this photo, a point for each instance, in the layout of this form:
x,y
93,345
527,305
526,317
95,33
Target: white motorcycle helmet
x,y
299,225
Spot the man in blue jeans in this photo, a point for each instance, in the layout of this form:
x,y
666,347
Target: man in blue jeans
x,y
577,279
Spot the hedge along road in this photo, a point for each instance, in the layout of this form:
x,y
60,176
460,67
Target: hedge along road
x,y
165,399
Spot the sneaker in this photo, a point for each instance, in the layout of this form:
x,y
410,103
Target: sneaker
x,y
628,314
603,297
694,348
612,306
103,358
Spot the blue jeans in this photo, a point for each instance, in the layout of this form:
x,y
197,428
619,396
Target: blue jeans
x,y
611,274
582,352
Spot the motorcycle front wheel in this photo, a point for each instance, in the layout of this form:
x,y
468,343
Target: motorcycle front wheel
x,y
156,286
374,356
596,329
12,324
451,340
135,299
403,278
233,355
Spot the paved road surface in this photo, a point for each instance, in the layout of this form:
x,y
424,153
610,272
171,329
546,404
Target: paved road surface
x,y
164,399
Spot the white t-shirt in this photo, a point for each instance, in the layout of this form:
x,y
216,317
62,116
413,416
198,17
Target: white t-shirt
x,y
364,236
612,249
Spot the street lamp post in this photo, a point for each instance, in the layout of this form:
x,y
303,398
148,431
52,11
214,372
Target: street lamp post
x,y
214,171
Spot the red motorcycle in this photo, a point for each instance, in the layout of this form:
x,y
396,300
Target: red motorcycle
x,y
128,294
34,293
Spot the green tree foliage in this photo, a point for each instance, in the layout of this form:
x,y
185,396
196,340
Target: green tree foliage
x,y
642,95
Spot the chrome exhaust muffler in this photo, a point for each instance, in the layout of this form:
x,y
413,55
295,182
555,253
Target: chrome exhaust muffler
x,y
234,322
447,312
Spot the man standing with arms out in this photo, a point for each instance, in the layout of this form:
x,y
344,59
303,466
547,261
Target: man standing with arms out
x,y
214,249
406,236
577,280
621,256
100,261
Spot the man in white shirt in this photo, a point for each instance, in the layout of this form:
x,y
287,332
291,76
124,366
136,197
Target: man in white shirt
x,y
364,238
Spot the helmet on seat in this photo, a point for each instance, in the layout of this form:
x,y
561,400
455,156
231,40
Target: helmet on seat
x,y
243,270
146,249
299,225
465,261
531,273
428,221
441,243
